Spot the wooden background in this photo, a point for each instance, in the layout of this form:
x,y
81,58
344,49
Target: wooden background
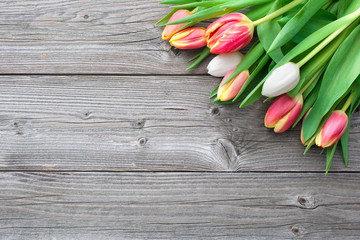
x,y
103,135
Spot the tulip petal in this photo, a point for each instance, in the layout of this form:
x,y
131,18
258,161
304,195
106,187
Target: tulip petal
x,y
170,30
189,38
333,129
232,88
285,122
278,109
220,65
282,80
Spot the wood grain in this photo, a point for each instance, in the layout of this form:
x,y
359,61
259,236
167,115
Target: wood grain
x,y
148,123
178,205
88,36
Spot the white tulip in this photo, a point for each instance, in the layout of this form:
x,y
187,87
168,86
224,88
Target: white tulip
x,y
223,63
282,80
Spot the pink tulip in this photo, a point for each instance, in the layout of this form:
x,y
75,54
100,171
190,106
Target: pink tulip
x,y
229,33
170,30
189,38
283,112
229,90
333,129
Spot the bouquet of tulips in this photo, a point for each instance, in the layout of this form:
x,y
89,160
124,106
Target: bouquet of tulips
x,y
307,56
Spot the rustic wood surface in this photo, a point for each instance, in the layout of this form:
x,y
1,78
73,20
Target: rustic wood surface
x,y
103,135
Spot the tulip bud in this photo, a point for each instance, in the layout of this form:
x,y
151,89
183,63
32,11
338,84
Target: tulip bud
x,y
332,130
189,38
302,134
283,112
223,63
282,80
229,33
170,30
229,90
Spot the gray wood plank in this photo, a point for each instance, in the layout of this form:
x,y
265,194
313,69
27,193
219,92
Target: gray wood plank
x,y
88,36
63,205
148,123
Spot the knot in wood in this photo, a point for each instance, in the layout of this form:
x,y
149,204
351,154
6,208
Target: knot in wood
x,y
307,202
142,141
214,111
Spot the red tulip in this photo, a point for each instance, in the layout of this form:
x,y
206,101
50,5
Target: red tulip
x,y
229,90
283,112
189,38
170,30
333,129
229,33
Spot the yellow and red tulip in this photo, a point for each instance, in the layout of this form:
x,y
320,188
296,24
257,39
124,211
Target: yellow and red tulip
x,y
170,30
283,112
333,129
229,90
189,38
229,33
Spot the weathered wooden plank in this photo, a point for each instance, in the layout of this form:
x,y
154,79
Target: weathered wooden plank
x,y
143,123
88,36
184,205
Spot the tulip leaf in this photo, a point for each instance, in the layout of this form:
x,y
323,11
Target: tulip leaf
x,y
200,4
204,53
165,19
319,20
265,59
268,31
344,140
343,5
309,99
340,74
214,92
244,3
329,156
259,11
293,26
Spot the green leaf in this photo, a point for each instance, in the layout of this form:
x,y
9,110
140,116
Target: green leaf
x,y
214,92
259,11
268,31
244,3
200,4
165,19
204,53
293,26
341,72
343,5
265,59
319,20
329,156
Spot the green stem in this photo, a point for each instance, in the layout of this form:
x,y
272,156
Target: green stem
x,y
278,12
319,47
310,82
348,102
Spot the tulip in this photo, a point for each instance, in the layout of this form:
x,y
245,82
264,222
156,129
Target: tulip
x,y
229,90
223,63
189,38
283,112
302,134
170,30
229,33
333,129
282,80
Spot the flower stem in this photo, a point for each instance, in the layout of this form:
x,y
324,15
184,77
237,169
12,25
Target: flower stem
x,y
319,47
278,12
310,82
348,102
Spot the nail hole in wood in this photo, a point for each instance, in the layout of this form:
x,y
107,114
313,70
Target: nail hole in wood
x,y
301,200
142,141
86,16
215,111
